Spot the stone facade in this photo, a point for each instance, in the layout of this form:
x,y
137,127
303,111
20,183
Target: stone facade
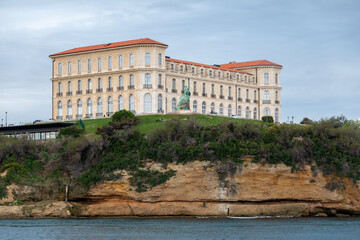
x,y
99,80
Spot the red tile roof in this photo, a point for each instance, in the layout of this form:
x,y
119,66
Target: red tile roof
x,y
205,65
110,45
250,63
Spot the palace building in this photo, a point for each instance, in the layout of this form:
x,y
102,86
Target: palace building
x,y
136,75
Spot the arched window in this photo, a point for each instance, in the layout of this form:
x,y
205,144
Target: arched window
x,y
69,67
79,86
221,109
255,113
160,108
229,110
89,107
239,111
212,107
89,64
121,83
276,78
120,61
99,85
131,81
109,62
59,109
203,107
147,80
59,68
121,103
60,88
79,66
69,109
276,115
195,106
69,87
99,107
248,112
89,85
173,105
159,59
174,84
266,112
79,108
147,58
266,96
110,83
99,63
147,103
132,103
131,60
266,78
110,105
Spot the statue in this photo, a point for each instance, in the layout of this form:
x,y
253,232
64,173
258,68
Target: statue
x,y
184,102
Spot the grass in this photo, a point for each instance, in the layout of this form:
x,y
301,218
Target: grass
x,y
149,123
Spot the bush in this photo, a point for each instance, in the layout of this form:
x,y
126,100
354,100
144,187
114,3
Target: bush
x,y
268,119
71,132
121,115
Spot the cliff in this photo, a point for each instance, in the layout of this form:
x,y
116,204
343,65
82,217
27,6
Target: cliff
x,y
203,189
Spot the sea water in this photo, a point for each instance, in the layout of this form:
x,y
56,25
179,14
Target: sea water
x,y
182,228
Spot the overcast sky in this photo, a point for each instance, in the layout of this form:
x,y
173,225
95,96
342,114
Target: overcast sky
x,y
316,41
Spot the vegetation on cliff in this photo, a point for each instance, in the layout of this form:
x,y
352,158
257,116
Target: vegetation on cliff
x,y
81,160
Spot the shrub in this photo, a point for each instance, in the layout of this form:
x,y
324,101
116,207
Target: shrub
x,y
122,115
268,119
71,132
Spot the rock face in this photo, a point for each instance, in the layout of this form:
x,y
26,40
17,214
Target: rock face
x,y
203,189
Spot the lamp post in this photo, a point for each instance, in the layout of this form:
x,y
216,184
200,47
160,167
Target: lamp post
x,y
2,120
5,119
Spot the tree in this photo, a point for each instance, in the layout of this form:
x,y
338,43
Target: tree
x,y
306,121
121,115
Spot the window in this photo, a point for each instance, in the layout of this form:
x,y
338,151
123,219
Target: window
x,y
183,85
212,107
212,89
109,62
99,107
121,83
147,58
172,66
202,71
159,59
173,105
120,61
276,115
194,86
110,83
79,66
195,106
79,108
253,79
69,87
69,109
229,91
219,74
59,68
121,103
266,78
239,92
181,68
221,109
173,83
237,76
239,111
276,95
160,103
99,63
132,103
255,95
89,106
255,113
110,105
131,80
59,109
229,110
247,94
159,79
69,67
131,60
266,95
147,80
89,85
245,78
227,75
203,107
203,88
60,88
248,113
79,85
193,70
210,73
89,64
147,103
266,112
221,90
276,78
99,83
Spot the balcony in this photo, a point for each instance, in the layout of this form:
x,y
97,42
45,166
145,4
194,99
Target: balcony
x,y
195,93
78,116
266,101
109,113
68,116
99,114
230,98
248,100
160,111
89,91
173,90
99,90
110,89
131,87
213,95
59,117
256,101
89,115
78,92
68,93
204,94
240,99
59,94
160,86
120,88
222,97
277,101
148,86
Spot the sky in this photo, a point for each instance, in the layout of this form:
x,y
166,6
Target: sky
x,y
316,41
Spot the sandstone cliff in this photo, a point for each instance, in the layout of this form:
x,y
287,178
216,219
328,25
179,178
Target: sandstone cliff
x,y
204,189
